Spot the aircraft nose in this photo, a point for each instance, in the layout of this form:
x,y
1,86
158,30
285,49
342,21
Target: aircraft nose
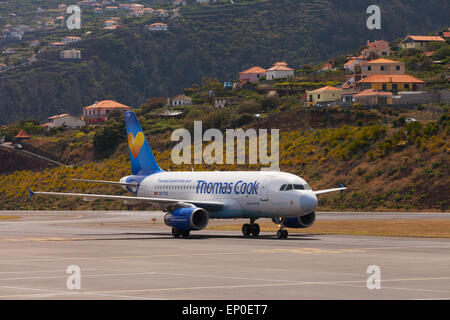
x,y
308,202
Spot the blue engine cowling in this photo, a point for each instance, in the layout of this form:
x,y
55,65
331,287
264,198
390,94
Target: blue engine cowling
x,y
301,222
191,218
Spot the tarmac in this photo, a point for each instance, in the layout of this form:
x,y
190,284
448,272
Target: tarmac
x,y
128,255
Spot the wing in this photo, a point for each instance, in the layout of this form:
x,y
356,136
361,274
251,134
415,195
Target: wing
x,y
330,190
163,203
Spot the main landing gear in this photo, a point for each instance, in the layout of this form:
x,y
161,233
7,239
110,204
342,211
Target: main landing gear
x,y
251,228
180,233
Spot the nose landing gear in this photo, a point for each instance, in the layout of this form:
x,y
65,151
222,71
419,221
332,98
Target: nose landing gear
x,y
282,233
251,228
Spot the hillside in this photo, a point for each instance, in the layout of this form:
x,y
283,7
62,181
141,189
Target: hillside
x,y
386,167
214,41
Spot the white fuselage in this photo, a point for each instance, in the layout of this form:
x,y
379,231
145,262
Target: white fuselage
x,y
245,194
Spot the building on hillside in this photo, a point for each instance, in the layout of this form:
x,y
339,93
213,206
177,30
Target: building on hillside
x,y
57,44
9,51
376,49
181,100
3,66
70,39
327,66
371,97
446,35
63,120
323,95
158,26
220,103
420,42
252,75
162,13
391,82
22,135
348,97
70,54
353,65
279,70
99,111
34,43
382,66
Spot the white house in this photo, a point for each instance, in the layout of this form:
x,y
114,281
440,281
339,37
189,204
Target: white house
x,y
69,39
157,27
181,100
70,54
162,13
279,70
63,119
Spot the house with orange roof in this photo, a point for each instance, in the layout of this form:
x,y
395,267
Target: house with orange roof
x,y
22,135
99,111
158,26
323,95
279,70
391,82
372,97
446,35
252,75
420,42
351,66
382,66
63,120
378,48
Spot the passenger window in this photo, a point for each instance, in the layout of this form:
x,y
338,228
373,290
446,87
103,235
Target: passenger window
x,y
283,187
289,187
299,187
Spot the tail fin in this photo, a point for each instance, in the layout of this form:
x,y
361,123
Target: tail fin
x,y
142,159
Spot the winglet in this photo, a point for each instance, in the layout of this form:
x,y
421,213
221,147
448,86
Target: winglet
x,y
31,193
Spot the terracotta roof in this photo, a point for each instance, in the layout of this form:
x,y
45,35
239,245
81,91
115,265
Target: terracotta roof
x,y
280,68
110,104
446,34
181,97
254,70
373,92
429,53
327,88
424,38
378,43
382,61
350,62
280,63
59,116
403,78
23,134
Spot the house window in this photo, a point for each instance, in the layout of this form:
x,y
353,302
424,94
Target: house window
x,y
397,68
383,68
369,68
384,53
318,96
406,85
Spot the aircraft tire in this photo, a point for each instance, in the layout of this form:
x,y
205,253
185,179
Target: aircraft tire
x,y
176,233
185,234
255,229
246,230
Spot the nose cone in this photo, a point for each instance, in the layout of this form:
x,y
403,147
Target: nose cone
x,y
308,202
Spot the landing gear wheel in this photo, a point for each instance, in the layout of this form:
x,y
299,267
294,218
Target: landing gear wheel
x,y
185,233
282,234
176,233
246,229
255,229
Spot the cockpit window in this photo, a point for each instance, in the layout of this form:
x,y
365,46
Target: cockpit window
x,y
283,187
307,187
288,187
299,187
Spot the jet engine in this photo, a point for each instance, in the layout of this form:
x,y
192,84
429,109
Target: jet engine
x,y
191,218
301,222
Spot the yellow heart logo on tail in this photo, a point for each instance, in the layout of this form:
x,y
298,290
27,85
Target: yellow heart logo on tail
x,y
135,143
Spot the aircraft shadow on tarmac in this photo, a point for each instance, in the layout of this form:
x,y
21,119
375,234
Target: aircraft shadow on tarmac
x,y
162,235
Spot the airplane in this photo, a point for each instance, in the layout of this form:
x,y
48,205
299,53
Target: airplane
x,y
189,199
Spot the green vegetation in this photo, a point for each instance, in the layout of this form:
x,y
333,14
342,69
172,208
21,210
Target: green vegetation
x,y
216,40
